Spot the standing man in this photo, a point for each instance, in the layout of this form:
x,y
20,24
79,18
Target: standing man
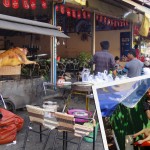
x,y
103,60
134,67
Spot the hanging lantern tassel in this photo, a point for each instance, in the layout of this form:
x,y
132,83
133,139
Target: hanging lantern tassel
x,y
62,9
15,4
25,4
84,14
68,10
79,14
44,4
33,4
88,15
74,13
6,3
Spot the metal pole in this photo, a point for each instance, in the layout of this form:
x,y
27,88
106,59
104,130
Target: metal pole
x,y
93,37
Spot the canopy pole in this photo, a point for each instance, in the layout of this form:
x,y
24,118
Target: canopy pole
x,y
93,36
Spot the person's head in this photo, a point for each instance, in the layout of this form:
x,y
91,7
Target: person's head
x,y
136,46
117,60
131,54
148,93
104,45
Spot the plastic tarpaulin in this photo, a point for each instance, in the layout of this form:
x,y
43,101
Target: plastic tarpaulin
x,y
110,96
128,94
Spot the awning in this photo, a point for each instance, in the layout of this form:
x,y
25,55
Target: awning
x,y
139,7
25,25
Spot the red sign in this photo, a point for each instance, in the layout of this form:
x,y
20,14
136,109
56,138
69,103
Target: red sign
x,y
44,4
6,3
25,4
33,4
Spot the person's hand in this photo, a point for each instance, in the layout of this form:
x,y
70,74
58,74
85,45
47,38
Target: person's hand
x,y
140,141
134,136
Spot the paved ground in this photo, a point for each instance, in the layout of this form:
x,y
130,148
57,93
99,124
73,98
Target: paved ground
x,y
33,140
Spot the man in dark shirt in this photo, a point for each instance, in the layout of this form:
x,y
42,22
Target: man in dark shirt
x,y
103,60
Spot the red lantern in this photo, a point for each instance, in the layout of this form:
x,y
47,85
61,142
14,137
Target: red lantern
x,y
57,8
108,21
25,4
62,9
111,22
115,23
88,15
97,17
68,11
33,4
74,14
44,5
127,23
6,3
15,4
79,14
105,20
84,14
101,18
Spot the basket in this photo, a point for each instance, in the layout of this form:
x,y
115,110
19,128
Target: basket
x,y
10,70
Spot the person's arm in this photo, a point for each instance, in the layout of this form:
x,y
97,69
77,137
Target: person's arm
x,y
148,114
147,109
138,133
144,140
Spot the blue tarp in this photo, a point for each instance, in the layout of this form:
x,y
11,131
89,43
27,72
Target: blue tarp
x,y
128,94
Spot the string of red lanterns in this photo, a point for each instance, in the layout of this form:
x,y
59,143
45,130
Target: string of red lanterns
x,y
68,11
71,12
25,3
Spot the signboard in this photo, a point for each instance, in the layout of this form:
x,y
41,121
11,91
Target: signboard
x,y
108,96
125,43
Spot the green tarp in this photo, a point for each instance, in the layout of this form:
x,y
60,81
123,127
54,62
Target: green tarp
x,y
127,121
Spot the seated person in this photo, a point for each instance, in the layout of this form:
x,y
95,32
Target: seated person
x,y
117,63
146,133
146,104
133,67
